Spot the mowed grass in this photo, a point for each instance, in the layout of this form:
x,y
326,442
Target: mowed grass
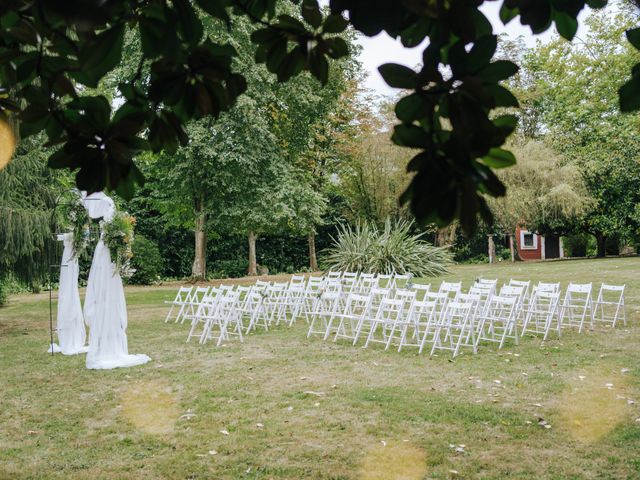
x,y
280,406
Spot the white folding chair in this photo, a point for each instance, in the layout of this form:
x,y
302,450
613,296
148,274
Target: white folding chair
x,y
357,307
525,284
609,305
255,310
576,306
182,299
389,311
313,289
226,318
485,292
205,309
274,296
324,308
541,311
498,322
453,329
196,298
518,293
291,304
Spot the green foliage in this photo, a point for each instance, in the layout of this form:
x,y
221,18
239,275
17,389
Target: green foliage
x,y
147,261
28,192
4,293
118,237
392,249
545,193
73,216
579,245
55,52
571,91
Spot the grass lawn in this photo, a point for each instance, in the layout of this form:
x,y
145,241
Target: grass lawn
x,y
281,406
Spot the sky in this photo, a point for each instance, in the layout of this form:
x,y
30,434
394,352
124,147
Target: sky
x,y
383,49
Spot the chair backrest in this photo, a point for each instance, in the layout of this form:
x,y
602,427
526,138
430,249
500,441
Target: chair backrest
x,y
612,288
353,275
547,287
511,291
184,294
333,274
420,289
332,286
525,284
196,296
315,283
297,279
483,290
422,309
545,300
450,287
262,284
456,313
580,288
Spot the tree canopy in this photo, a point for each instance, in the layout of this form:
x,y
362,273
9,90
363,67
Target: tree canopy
x,y
54,53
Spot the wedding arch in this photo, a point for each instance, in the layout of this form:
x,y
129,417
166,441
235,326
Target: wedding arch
x,y
105,309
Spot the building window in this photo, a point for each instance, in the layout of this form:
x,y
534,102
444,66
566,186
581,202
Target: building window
x,y
528,240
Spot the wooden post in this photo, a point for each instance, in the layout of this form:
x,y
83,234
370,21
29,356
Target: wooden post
x,y
492,249
512,248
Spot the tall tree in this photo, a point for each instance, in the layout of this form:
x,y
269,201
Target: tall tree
x,y
48,45
545,193
576,85
28,192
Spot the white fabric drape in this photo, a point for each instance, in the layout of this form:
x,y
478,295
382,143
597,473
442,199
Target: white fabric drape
x,y
70,324
105,309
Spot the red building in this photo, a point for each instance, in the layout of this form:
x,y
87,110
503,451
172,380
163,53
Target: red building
x,y
532,246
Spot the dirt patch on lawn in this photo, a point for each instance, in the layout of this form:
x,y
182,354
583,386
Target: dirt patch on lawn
x,y
394,461
593,405
150,406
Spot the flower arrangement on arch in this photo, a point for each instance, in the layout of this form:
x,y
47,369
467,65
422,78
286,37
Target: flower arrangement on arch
x,y
76,218
118,236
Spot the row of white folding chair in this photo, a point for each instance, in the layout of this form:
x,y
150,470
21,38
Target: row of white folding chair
x,y
352,280
444,323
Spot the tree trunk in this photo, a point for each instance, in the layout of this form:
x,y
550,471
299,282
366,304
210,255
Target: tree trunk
x,y
313,261
601,241
512,248
253,264
446,235
492,249
199,268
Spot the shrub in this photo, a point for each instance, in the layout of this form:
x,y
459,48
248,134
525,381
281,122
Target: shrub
x,y
393,249
4,293
146,260
578,245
